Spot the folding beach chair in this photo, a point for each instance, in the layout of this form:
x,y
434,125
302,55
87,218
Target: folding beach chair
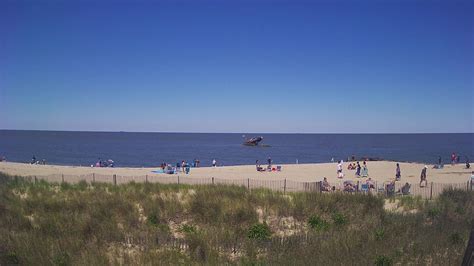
x,y
278,168
364,188
390,189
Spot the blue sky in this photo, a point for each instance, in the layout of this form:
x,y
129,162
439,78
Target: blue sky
x,y
245,66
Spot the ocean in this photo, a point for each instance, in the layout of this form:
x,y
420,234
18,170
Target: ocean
x,y
129,149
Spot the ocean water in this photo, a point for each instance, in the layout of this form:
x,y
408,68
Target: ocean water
x,y
151,149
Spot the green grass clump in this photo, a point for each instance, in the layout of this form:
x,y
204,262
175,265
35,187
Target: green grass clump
x,y
317,223
259,231
339,219
383,260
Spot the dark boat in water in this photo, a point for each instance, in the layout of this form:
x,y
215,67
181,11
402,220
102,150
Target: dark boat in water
x,y
253,141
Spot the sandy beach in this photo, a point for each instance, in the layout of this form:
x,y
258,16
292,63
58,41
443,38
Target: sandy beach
x,y
381,171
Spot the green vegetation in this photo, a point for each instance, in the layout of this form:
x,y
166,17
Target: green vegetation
x,y
98,224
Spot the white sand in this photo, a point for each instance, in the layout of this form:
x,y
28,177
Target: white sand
x,y
380,171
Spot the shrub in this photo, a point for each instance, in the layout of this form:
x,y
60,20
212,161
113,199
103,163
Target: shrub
x,y
456,238
259,231
153,219
379,234
383,260
339,219
188,229
317,223
433,212
61,259
11,258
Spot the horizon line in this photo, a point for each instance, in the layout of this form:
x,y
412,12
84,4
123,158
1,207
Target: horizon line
x,y
196,132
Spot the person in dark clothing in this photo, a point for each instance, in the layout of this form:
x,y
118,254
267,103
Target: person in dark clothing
x,y
439,160
358,169
398,173
423,176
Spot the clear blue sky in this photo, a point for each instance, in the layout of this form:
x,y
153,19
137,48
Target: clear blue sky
x,y
265,66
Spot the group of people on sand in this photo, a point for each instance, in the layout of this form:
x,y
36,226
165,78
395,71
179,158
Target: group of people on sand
x,y
369,184
269,167
361,171
35,161
104,163
183,166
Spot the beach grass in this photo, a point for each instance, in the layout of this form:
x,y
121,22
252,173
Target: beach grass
x,y
145,224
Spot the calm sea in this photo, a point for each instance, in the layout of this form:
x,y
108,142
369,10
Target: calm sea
x,y
150,149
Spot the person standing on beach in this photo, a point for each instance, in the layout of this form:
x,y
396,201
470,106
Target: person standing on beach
x,y
398,173
339,169
358,170
423,176
269,160
453,158
214,163
439,160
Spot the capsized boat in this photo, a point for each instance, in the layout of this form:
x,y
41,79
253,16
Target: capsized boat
x,y
253,141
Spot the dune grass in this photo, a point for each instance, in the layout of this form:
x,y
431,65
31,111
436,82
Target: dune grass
x,y
147,224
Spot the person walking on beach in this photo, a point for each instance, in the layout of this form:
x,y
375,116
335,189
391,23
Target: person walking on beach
x,y
423,176
398,173
439,160
453,158
214,163
269,160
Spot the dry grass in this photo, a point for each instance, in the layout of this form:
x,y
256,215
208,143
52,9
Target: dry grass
x,y
135,224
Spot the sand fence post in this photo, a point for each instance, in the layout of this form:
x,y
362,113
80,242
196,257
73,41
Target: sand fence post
x,y
93,177
431,191
213,180
178,180
115,180
248,183
146,178
284,187
36,180
62,178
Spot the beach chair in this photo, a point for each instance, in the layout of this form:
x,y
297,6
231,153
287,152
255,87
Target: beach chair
x,y
380,189
364,172
390,189
364,188
278,168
